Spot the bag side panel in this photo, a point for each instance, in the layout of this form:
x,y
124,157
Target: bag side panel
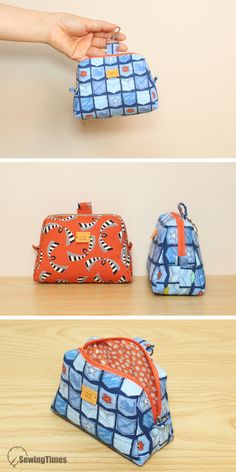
x,y
121,418
156,257
173,274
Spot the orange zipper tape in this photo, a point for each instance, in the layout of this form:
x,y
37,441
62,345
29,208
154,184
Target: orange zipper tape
x,y
155,410
181,234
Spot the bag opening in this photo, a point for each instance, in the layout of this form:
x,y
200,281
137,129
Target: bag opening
x,y
127,358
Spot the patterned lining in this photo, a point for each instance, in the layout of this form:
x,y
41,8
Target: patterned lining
x,y
127,358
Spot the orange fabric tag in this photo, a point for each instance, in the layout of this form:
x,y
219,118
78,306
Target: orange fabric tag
x,y
82,237
89,395
110,73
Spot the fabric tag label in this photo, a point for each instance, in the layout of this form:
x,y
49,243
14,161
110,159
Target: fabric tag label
x,y
82,237
89,395
110,73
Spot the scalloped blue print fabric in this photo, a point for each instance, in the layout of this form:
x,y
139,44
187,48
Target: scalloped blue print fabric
x,y
122,417
169,273
114,85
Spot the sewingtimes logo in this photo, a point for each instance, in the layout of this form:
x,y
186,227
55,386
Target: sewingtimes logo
x,y
18,455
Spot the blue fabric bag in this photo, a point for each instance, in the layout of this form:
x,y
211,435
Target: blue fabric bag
x,y
175,264
113,85
112,389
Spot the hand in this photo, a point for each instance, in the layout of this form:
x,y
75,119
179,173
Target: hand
x,y
80,38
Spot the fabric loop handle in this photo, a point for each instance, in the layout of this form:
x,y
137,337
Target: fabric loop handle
x,y
112,48
84,208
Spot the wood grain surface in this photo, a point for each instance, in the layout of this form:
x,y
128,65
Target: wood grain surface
x,y
200,359
22,296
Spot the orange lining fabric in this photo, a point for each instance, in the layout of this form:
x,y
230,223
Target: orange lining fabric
x,y
127,358
181,234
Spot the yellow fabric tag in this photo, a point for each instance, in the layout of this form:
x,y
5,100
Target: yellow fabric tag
x,y
89,395
82,237
110,73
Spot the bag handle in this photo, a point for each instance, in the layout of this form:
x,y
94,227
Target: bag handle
x,y
84,208
146,344
112,48
113,43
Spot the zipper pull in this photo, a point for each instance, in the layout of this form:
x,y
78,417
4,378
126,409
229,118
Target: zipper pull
x,y
36,248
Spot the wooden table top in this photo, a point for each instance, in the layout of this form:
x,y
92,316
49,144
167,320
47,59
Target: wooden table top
x,y
200,359
22,296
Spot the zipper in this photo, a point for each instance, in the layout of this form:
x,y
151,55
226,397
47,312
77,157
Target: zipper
x,y
181,234
155,410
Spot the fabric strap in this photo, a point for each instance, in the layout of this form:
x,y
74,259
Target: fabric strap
x,y
85,208
113,48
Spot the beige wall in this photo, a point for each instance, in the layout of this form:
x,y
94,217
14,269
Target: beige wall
x,y
138,191
189,44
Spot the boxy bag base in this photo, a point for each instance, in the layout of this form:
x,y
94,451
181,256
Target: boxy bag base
x,y
103,393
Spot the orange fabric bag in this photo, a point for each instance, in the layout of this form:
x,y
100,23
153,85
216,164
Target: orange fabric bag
x,y
83,247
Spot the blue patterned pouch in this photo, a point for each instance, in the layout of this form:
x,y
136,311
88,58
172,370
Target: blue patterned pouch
x,y
113,85
175,264
112,389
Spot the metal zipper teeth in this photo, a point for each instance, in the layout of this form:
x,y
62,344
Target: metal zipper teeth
x,y
156,414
